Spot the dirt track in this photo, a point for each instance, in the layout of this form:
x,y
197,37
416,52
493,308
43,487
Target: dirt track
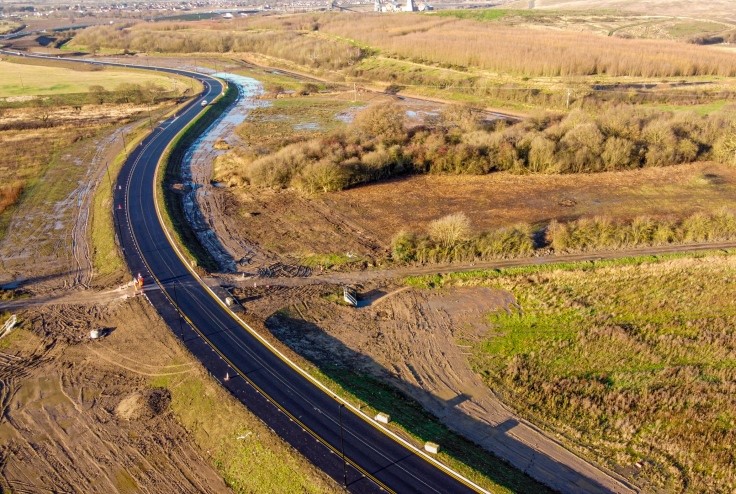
x,y
409,339
79,415
376,275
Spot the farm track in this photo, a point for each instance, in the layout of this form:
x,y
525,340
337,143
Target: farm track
x,y
278,274
353,277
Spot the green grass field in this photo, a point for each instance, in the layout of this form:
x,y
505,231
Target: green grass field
x,y
633,361
37,80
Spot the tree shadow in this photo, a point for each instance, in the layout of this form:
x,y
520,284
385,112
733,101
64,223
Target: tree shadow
x,y
522,472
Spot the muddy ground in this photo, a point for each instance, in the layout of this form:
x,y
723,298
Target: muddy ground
x,y
79,415
418,341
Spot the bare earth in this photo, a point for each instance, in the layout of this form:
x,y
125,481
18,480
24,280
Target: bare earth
x,y
408,338
79,415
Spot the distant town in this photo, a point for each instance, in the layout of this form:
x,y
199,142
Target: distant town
x,y
203,9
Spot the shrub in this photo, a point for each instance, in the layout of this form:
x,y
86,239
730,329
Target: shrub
x,y
602,233
725,147
384,123
449,230
9,194
513,241
322,176
403,247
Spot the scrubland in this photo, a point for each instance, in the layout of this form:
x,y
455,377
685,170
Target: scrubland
x,y
503,49
498,64
662,400
378,146
49,107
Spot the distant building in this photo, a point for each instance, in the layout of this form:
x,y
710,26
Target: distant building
x,y
393,6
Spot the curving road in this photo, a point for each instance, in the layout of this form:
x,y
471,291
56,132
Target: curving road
x,y
340,440
289,403
304,414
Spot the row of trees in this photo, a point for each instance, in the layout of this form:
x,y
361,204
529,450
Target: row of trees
x,y
451,238
128,92
296,47
378,146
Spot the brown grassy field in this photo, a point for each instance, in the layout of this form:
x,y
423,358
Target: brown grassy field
x,y
712,9
363,220
502,200
662,401
531,52
332,40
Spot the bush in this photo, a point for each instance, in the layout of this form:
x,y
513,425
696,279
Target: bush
x,y
602,233
449,230
384,123
377,146
403,247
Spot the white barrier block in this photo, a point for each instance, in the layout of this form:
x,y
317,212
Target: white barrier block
x,y
383,418
433,448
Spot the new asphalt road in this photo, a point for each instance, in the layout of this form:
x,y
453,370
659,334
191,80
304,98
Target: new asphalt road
x,y
346,445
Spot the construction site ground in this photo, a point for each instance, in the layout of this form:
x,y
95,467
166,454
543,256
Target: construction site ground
x,y
402,336
131,411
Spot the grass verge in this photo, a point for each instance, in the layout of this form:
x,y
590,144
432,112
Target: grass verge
x,y
174,217
249,456
106,258
411,421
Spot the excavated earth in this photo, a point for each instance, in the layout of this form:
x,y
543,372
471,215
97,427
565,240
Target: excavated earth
x,y
79,415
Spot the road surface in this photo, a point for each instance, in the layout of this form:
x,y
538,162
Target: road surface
x,y
346,444
309,418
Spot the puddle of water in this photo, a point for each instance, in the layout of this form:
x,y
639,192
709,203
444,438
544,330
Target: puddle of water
x,y
200,156
420,114
346,116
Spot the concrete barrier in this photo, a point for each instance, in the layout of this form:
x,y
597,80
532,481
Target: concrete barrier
x,y
433,448
383,418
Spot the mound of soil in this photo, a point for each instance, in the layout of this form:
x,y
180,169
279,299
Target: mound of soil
x,y
142,405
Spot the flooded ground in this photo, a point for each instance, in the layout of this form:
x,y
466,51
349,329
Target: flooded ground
x,y
201,201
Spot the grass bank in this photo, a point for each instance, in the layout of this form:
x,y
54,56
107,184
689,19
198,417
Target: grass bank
x,y
174,217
